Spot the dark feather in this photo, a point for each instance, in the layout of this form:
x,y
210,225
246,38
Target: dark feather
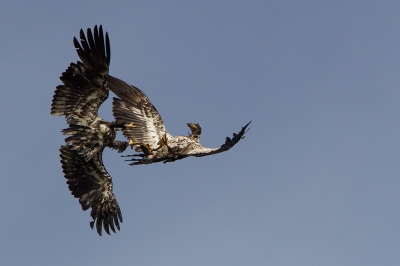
x,y
149,130
84,84
137,108
84,89
229,143
92,185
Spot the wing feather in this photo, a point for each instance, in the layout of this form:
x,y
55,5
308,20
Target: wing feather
x,y
84,89
92,185
229,143
134,106
84,86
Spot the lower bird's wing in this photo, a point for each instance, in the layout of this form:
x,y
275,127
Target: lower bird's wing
x,y
92,185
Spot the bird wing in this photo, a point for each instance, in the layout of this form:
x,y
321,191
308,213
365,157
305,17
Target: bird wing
x,y
84,86
229,143
134,106
92,185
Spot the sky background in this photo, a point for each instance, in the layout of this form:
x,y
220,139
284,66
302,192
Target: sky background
x,y
315,182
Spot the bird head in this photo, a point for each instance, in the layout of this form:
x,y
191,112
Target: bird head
x,y
196,131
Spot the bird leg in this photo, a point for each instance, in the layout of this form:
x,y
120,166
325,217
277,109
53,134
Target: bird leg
x,y
163,142
119,145
115,124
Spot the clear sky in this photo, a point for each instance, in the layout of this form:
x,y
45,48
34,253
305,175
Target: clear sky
x,y
315,182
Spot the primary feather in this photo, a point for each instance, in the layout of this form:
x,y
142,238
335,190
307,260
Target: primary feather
x,y
92,185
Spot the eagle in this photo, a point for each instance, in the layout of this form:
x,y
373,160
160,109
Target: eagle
x,y
84,89
90,182
148,133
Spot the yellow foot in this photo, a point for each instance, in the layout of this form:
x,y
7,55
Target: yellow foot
x,y
163,141
132,143
131,125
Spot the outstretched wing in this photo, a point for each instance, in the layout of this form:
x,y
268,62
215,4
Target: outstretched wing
x,y
134,107
84,86
197,152
92,185
229,143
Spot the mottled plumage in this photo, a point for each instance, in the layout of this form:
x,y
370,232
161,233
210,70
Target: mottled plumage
x,y
84,89
149,134
90,182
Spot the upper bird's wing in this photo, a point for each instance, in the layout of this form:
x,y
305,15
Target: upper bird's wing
x,y
134,107
84,86
91,183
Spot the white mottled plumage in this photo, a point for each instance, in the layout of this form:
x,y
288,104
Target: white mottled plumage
x,y
149,134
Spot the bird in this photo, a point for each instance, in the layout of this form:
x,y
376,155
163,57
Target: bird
x,y
86,85
83,90
90,182
148,133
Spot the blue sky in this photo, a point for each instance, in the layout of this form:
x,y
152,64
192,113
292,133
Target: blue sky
x,y
315,182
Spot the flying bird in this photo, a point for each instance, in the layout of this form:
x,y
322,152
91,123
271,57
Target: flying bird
x,y
148,133
84,89
90,182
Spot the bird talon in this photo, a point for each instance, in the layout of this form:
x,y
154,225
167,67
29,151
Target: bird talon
x,y
132,143
163,141
131,125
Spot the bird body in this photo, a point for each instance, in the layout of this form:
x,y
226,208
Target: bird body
x,y
149,134
83,91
